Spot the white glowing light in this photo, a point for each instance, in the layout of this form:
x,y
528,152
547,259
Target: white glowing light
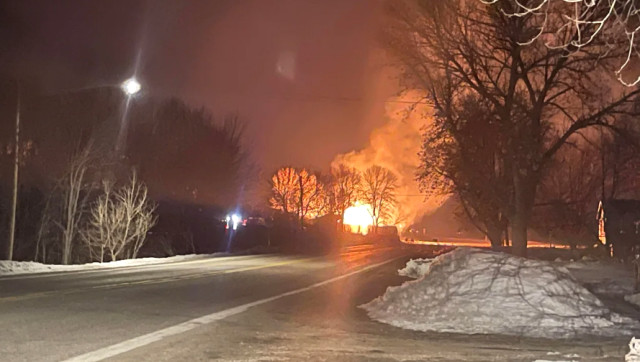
x,y
358,218
131,86
236,220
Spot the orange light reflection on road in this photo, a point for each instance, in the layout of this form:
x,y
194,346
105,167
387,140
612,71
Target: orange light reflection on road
x,y
482,243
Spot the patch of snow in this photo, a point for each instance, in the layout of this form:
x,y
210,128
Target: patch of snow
x,y
415,268
29,267
633,299
474,291
634,351
604,277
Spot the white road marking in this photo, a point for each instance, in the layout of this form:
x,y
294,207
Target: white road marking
x,y
131,344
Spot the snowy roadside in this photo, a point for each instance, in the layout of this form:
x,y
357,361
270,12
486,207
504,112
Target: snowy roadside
x,y
29,267
601,277
473,291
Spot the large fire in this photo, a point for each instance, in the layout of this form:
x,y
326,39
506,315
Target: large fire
x,y
357,219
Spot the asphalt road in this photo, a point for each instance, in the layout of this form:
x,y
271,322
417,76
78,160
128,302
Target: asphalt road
x,y
53,317
248,308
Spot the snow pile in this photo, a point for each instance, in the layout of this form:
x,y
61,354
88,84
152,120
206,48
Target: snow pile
x,y
634,351
475,291
602,277
29,267
415,268
633,299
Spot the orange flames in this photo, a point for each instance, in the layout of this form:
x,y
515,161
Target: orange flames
x,y
357,219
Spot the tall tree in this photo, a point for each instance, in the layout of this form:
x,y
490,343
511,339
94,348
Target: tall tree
x,y
298,191
119,221
283,189
379,187
310,196
462,154
75,190
614,20
187,153
540,96
346,184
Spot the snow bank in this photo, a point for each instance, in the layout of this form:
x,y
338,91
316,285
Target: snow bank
x,y
29,267
474,291
415,268
603,277
633,299
634,351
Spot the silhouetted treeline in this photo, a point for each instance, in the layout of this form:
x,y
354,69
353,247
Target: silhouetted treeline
x,y
184,155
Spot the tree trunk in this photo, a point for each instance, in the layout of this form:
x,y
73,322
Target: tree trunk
x,y
506,234
519,235
524,193
301,203
494,233
14,198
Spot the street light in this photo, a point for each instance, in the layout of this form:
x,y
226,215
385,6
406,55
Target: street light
x,y
131,86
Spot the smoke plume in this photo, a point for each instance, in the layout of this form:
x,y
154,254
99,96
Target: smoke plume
x,y
395,145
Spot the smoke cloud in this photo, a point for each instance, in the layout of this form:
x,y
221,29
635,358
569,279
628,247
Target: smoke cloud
x,y
395,145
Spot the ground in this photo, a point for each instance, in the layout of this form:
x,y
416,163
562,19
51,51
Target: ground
x,y
65,315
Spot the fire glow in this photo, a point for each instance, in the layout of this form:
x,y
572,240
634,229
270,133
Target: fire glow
x,y
357,219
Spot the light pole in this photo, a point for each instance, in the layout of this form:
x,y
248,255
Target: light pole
x,y
16,166
130,87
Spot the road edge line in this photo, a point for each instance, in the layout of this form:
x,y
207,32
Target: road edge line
x,y
146,339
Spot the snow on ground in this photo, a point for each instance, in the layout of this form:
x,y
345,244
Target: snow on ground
x,y
603,277
633,299
415,268
474,291
29,267
634,351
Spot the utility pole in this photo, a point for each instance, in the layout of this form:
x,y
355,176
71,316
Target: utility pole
x,y
16,166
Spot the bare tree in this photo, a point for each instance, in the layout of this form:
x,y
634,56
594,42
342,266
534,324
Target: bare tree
x,y
120,220
462,155
540,96
564,208
99,231
346,183
74,187
588,21
43,233
187,152
298,191
283,188
310,200
379,191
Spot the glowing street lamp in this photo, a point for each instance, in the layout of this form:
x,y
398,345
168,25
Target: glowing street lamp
x,y
131,86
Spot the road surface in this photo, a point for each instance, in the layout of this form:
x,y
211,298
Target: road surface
x,y
248,308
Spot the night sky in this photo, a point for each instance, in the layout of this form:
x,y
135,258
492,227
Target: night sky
x,y
308,77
